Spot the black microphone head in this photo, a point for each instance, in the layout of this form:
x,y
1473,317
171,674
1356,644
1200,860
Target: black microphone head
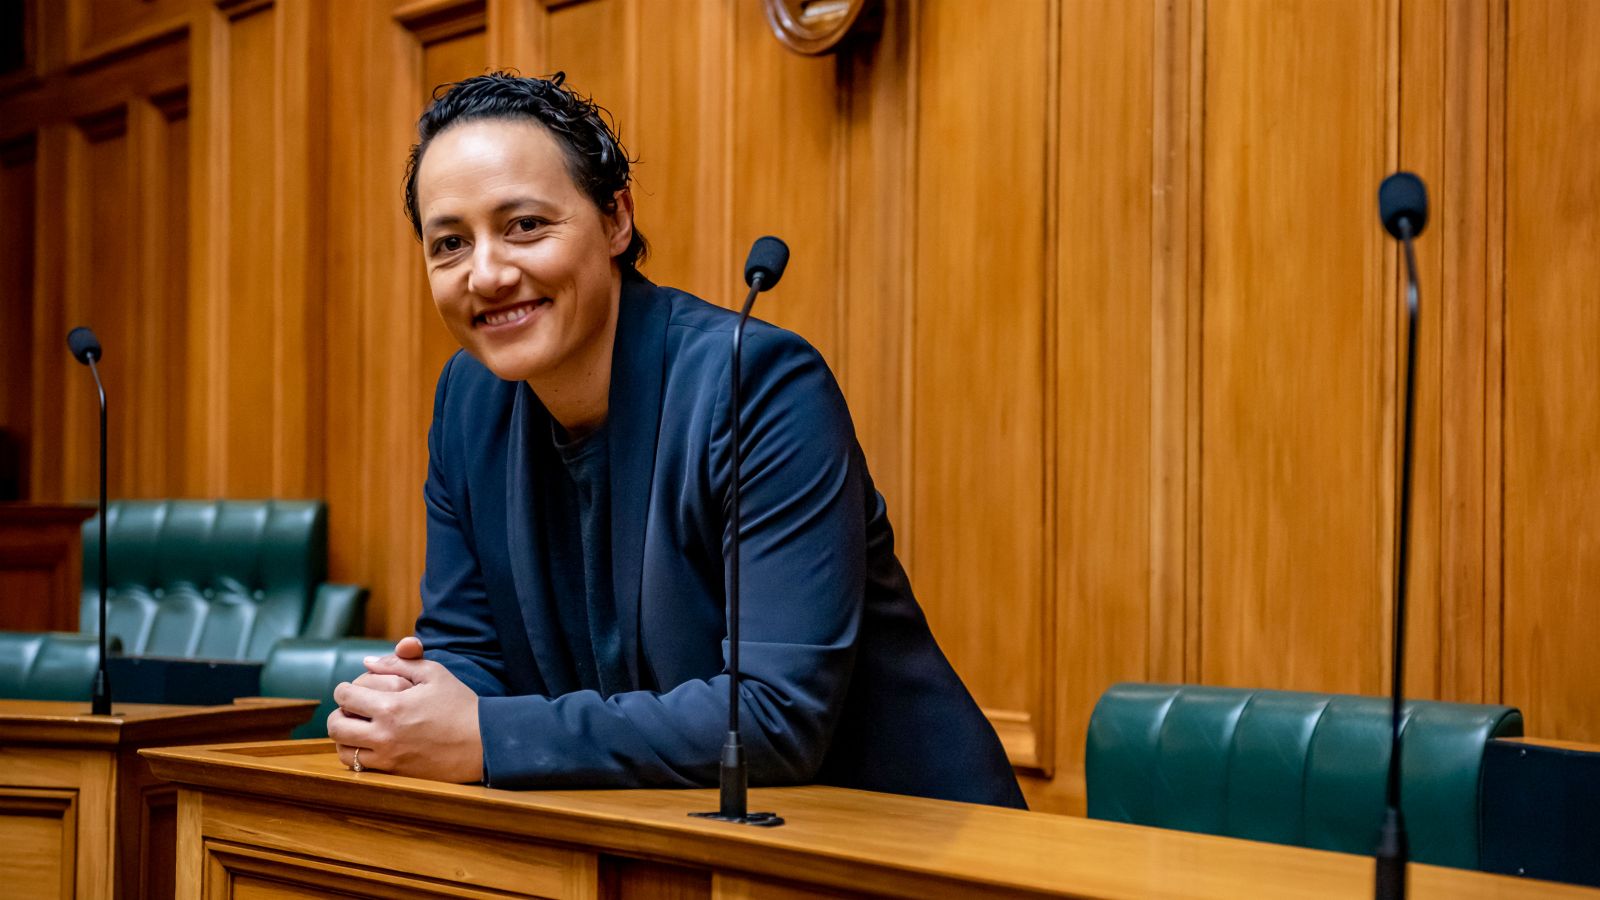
x,y
768,256
1403,196
84,345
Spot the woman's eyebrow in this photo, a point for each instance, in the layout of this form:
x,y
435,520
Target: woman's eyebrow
x,y
516,202
440,222
500,209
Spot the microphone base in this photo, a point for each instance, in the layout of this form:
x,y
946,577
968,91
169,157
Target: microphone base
x,y
758,819
1393,851
100,698
734,790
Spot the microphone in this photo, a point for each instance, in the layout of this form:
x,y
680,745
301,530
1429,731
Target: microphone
x,y
84,345
766,262
762,269
1403,207
85,349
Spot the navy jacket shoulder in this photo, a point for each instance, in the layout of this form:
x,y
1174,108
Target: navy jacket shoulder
x,y
842,681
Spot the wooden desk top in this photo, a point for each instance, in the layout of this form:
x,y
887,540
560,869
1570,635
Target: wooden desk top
x,y
70,722
1552,743
850,840
27,513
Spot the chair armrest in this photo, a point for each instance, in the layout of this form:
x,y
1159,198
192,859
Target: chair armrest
x,y
49,665
338,611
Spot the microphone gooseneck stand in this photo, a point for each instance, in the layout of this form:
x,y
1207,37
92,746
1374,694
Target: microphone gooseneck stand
x,y
86,349
1403,206
762,271
1393,848
100,702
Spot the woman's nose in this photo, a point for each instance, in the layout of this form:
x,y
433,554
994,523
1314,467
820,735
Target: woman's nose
x,y
492,275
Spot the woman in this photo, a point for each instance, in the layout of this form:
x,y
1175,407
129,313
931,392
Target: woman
x,y
573,598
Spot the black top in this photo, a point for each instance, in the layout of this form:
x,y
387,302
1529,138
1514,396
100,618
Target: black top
x,y
580,527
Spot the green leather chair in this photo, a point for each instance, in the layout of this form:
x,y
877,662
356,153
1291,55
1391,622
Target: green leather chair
x,y
310,669
39,665
199,579
1291,768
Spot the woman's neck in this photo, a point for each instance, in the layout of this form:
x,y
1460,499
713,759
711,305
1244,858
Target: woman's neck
x,y
578,397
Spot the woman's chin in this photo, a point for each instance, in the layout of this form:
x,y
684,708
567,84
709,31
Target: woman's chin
x,y
509,365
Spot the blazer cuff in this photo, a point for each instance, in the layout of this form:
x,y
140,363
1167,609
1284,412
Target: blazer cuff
x,y
483,742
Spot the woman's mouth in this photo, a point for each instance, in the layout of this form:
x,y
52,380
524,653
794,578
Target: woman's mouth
x,y
513,314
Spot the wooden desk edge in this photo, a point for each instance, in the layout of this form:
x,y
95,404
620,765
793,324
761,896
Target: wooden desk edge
x,y
582,818
1553,743
30,513
133,723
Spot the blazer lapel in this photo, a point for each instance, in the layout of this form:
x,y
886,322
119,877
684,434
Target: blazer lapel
x,y
634,415
525,531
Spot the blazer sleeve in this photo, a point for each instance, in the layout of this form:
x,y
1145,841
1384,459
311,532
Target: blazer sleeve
x,y
456,626
803,572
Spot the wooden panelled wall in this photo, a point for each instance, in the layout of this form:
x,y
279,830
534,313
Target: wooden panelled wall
x,y
1103,281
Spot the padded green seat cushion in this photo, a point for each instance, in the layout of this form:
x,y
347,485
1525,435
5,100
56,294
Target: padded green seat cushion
x,y
1289,767
311,668
215,579
37,665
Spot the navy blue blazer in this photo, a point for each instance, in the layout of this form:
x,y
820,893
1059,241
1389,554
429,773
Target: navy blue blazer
x,y
843,683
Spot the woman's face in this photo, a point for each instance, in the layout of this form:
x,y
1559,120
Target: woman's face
x,y
519,259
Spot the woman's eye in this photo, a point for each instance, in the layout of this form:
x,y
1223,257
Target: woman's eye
x,y
527,223
447,244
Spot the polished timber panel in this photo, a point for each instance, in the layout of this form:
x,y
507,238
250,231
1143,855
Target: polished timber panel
x,y
289,812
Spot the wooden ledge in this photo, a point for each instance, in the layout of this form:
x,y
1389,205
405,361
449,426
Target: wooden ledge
x,y
136,724
837,838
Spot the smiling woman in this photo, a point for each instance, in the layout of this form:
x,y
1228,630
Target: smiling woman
x,y
572,627
520,262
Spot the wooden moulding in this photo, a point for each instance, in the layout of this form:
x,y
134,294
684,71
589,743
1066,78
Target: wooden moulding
x,y
1019,734
128,44
238,9
433,21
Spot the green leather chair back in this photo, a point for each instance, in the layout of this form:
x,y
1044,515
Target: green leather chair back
x,y
310,669
215,579
1291,768
37,665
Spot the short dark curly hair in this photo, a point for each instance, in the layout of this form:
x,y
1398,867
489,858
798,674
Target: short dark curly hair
x,y
596,160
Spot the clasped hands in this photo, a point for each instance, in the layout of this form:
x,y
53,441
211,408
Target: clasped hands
x,y
409,716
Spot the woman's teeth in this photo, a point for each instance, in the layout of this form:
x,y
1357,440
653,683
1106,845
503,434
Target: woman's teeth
x,y
507,316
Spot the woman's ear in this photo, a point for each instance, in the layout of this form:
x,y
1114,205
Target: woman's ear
x,y
619,223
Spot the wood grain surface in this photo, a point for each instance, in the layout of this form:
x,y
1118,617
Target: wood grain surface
x,y
57,721
1103,283
81,813
41,562
296,800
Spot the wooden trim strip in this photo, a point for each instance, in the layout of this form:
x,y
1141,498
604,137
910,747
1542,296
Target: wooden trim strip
x,y
1194,358
238,9
1495,366
440,20
1042,722
129,43
104,125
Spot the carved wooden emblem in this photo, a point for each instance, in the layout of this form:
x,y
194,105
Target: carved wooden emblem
x,y
815,27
